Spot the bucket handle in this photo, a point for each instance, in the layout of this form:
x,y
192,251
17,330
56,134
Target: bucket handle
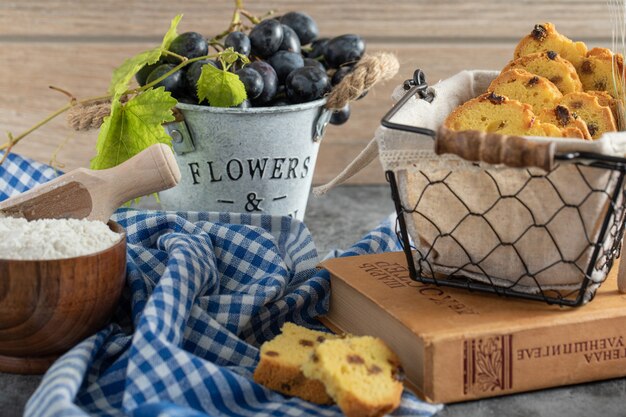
x,y
321,124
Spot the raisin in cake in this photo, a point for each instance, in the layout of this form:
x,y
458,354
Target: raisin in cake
x,y
281,359
360,373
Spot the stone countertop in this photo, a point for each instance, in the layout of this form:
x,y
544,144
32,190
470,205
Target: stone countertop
x,y
337,221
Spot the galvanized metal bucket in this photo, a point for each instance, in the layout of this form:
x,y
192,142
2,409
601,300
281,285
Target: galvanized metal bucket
x,y
245,160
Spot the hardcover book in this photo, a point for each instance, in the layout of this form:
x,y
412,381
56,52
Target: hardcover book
x,y
455,345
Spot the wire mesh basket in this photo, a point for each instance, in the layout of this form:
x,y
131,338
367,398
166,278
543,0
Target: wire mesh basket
x,y
506,215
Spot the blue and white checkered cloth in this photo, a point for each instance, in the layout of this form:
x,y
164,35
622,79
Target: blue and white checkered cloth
x,y
203,291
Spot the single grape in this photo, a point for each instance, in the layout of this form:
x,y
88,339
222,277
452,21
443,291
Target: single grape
x,y
270,81
239,41
340,74
318,48
291,42
173,83
188,44
309,62
195,69
266,38
252,80
192,75
344,49
284,62
142,74
302,24
340,116
306,84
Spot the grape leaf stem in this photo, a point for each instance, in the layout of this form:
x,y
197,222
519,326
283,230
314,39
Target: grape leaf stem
x,y
174,54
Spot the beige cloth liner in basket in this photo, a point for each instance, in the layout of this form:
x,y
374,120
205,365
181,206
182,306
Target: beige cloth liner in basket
x,y
412,158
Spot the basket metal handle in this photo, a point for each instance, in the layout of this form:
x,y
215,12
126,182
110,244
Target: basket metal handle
x,y
494,148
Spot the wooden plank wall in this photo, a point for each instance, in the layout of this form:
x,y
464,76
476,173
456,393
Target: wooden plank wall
x,y
75,44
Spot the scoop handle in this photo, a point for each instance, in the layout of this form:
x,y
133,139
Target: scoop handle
x,y
150,171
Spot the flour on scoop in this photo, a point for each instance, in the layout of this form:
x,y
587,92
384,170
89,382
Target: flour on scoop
x,y
53,238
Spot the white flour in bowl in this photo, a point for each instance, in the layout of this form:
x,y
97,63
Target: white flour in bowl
x,y
53,238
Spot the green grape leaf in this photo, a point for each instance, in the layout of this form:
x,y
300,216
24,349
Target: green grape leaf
x,y
133,126
220,88
125,72
171,33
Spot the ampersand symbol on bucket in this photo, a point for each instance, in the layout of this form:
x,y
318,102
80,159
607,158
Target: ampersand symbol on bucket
x,y
253,202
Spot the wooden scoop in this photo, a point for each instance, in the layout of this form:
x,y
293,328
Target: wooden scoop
x,y
95,195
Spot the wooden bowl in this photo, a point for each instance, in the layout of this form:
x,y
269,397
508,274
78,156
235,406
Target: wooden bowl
x,y
47,307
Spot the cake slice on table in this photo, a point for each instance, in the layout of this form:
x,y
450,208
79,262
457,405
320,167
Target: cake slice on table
x,y
551,66
281,359
544,37
360,373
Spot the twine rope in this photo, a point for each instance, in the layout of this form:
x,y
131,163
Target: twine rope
x,y
88,116
370,70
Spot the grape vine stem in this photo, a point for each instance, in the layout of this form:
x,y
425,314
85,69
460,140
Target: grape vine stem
x,y
73,102
237,24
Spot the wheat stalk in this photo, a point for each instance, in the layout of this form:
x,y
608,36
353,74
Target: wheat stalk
x,y
617,11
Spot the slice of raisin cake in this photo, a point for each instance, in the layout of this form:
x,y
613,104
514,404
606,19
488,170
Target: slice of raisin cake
x,y
281,359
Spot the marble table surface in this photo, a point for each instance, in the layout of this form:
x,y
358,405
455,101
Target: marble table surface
x,y
338,220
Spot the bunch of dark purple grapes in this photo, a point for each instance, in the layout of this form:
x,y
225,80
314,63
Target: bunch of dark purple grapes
x,y
289,63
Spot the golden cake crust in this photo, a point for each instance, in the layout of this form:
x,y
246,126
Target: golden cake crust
x,y
544,37
289,380
519,84
552,66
